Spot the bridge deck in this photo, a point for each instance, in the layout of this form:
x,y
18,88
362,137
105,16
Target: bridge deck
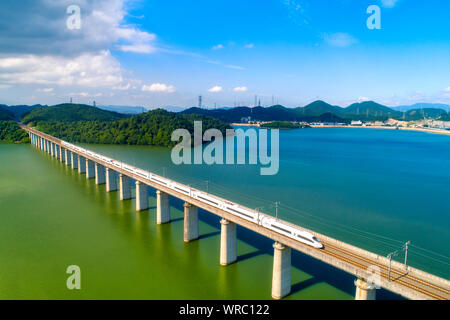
x,y
411,283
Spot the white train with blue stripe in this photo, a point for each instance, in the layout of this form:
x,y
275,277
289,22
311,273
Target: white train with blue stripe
x,y
266,221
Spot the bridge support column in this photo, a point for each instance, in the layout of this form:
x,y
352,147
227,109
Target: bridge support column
x,y
62,154
124,187
141,196
190,222
364,290
162,207
57,151
90,169
47,148
111,183
281,278
81,164
52,149
40,143
99,174
228,246
68,158
74,160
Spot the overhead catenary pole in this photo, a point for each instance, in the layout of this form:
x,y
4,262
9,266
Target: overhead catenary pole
x,y
406,253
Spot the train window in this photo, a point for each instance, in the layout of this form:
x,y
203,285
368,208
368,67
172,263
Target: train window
x,y
303,238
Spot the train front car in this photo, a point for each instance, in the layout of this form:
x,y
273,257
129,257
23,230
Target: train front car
x,y
291,232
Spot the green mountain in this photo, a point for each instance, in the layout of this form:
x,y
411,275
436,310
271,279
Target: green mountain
x,y
370,110
20,110
445,117
420,114
311,113
318,108
71,112
5,114
151,128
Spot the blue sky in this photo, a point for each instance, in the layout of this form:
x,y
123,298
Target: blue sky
x,y
156,53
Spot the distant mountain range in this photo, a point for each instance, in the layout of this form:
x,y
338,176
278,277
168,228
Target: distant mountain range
x,y
320,111
124,109
445,107
138,110
68,112
20,110
317,111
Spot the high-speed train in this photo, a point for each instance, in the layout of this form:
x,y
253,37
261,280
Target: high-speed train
x,y
232,208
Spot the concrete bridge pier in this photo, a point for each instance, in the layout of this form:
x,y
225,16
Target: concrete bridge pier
x,y
111,183
162,207
47,149
364,290
190,222
62,154
74,160
68,157
81,164
141,196
228,247
58,151
124,187
281,278
52,149
99,174
90,169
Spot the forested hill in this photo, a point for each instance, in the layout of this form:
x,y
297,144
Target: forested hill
x,y
12,133
151,128
319,111
5,114
70,113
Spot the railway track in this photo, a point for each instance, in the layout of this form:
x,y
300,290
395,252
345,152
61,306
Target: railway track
x,y
401,278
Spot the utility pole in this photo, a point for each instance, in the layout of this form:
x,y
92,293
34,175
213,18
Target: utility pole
x,y
406,253
258,210
395,253
276,208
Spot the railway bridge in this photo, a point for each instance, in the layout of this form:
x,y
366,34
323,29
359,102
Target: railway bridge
x,y
367,267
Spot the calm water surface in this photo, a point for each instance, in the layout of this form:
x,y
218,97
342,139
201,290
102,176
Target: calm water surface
x,y
372,188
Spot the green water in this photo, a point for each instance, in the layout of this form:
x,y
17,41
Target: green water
x,y
368,187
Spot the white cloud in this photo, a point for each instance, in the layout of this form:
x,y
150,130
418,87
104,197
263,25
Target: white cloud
x,y
122,87
389,3
137,48
90,70
447,89
218,47
215,89
339,39
45,90
240,89
249,46
43,28
362,99
230,66
159,87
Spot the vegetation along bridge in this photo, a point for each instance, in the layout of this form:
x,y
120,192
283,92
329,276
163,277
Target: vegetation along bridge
x,y
393,276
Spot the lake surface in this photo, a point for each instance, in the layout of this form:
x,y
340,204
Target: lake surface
x,y
373,188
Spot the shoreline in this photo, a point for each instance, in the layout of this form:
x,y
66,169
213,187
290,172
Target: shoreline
x,y
436,131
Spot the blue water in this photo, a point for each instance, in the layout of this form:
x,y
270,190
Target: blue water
x,y
373,188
